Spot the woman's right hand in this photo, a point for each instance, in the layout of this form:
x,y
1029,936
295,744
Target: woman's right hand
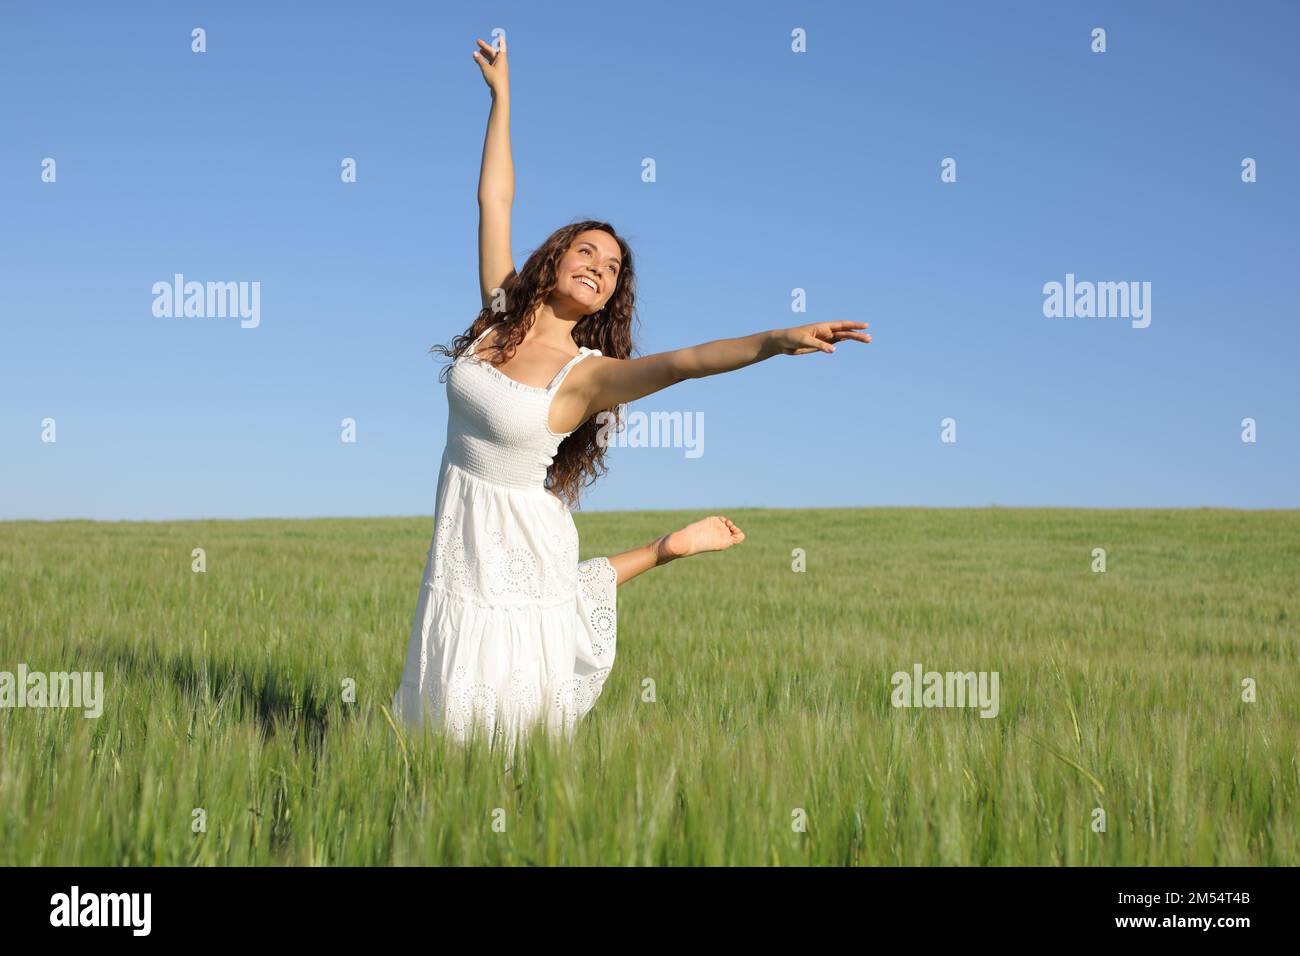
x,y
492,61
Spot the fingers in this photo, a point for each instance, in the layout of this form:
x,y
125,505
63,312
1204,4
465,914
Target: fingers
x,y
837,331
840,330
490,53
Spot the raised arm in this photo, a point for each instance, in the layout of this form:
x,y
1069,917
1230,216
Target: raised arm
x,y
601,383
496,180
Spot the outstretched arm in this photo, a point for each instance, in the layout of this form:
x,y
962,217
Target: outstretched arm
x,y
496,181
607,382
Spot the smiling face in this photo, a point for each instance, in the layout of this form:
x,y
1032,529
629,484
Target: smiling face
x,y
588,273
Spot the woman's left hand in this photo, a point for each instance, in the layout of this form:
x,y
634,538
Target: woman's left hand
x,y
818,337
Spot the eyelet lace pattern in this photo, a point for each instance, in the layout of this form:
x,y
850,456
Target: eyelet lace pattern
x,y
504,569
598,579
508,573
510,631
466,703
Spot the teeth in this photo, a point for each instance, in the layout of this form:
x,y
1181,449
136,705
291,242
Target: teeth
x,y
588,282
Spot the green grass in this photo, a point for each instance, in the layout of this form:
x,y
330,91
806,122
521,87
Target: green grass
x,y
1119,690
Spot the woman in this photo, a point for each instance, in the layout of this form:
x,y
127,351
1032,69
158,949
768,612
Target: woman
x,y
511,632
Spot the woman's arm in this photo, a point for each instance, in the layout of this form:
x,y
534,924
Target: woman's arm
x,y
606,382
496,181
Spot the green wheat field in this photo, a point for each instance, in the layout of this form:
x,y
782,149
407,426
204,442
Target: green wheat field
x,y
769,738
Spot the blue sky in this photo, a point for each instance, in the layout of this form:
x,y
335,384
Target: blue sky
x,y
775,171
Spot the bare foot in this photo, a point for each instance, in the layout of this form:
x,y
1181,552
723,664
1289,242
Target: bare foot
x,y
708,534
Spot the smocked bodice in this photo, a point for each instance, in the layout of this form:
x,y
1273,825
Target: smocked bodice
x,y
497,428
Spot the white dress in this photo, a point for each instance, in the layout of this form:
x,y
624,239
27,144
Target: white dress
x,y
511,632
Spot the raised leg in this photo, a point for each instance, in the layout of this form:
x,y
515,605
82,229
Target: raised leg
x,y
709,534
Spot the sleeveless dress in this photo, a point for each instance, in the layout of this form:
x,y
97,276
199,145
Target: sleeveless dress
x,y
511,632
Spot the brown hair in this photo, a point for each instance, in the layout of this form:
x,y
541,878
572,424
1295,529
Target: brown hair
x,y
579,460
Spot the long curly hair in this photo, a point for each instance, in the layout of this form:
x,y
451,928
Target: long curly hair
x,y
580,459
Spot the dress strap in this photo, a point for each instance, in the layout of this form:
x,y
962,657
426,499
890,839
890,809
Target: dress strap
x,y
560,375
474,345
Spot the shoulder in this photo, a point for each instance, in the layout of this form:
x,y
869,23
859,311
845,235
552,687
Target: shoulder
x,y
589,362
